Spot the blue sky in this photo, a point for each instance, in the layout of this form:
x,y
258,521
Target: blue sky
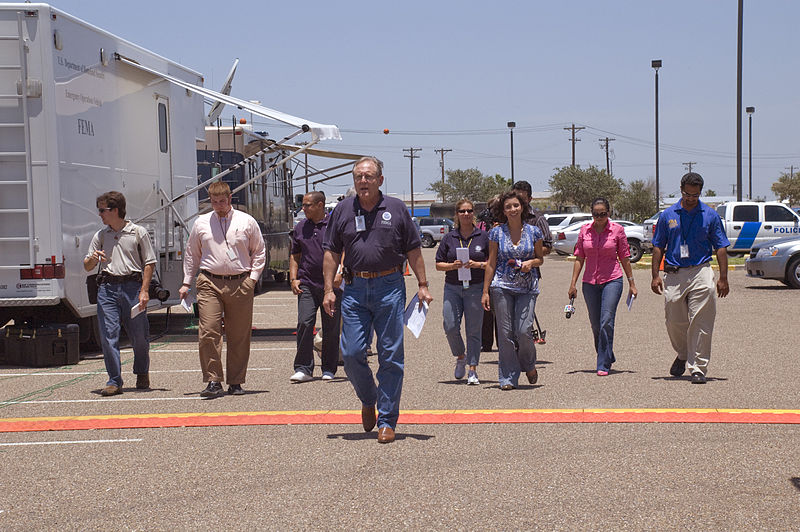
x,y
452,74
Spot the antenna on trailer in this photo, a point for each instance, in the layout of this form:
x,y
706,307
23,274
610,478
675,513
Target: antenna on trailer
x,y
216,109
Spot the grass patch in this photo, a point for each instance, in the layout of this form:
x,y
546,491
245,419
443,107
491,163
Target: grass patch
x,y
646,260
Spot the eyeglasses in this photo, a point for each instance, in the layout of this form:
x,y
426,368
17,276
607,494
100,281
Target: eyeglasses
x,y
101,210
365,176
687,195
465,211
599,214
307,205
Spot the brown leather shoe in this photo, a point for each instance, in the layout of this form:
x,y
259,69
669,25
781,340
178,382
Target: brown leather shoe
x,y
368,417
385,435
110,390
532,375
143,381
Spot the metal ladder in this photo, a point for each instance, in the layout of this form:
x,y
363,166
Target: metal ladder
x,y
12,183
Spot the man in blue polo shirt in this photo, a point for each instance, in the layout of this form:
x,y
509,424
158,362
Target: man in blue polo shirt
x,y
376,234
305,275
685,236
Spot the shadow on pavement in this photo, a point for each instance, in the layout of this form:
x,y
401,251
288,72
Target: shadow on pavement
x,y
612,372
356,436
796,482
770,288
687,378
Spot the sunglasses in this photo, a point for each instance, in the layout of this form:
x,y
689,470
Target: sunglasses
x,y
101,210
599,214
465,211
690,195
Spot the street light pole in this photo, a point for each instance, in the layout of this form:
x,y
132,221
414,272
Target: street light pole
x,y
750,111
656,64
511,126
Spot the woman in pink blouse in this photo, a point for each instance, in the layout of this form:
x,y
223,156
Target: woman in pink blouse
x,y
602,246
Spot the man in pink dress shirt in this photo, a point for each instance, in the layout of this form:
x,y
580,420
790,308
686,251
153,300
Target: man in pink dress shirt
x,y
227,249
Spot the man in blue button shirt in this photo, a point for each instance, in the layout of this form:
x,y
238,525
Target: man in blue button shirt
x,y
376,235
685,236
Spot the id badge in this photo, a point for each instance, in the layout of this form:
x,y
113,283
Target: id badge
x,y
684,251
231,254
360,223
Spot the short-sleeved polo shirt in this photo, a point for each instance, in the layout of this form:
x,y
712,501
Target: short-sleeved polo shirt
x,y
307,238
701,229
127,250
478,243
389,235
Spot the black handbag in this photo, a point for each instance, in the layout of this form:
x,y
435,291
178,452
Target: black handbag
x,y
91,286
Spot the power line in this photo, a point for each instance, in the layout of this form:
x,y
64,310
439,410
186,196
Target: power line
x,y
574,140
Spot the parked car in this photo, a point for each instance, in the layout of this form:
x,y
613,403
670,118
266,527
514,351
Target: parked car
x,y
564,240
433,229
558,222
752,223
776,259
648,228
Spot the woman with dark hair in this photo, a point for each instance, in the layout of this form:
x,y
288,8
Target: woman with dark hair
x,y
603,246
463,298
515,249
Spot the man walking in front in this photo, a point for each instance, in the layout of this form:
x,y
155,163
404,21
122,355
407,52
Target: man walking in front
x,y
227,249
685,236
127,262
376,234
305,275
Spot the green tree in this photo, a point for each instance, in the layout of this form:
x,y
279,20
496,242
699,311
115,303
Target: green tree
x,y
637,201
471,184
710,193
787,187
577,186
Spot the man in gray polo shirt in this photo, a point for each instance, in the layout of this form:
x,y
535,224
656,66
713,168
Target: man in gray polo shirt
x,y
127,261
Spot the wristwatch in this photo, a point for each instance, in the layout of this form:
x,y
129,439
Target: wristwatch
x,y
423,283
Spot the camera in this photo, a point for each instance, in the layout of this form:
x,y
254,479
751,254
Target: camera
x,y
157,291
569,309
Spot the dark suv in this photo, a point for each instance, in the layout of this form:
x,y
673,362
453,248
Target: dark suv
x,y
433,229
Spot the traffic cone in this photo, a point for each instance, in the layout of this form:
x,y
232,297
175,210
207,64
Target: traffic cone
x,y
661,267
407,272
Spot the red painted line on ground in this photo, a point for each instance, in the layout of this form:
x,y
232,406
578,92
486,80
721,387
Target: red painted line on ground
x,y
410,417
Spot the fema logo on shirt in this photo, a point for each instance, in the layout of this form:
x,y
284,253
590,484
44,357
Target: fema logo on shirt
x,y
477,248
387,218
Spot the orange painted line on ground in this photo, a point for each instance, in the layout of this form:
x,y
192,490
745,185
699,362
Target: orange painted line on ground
x,y
407,417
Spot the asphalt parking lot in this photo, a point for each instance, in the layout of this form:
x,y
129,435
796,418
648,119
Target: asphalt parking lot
x,y
565,475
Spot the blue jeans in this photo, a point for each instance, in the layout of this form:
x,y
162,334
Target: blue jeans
x,y
457,302
516,350
601,305
375,303
114,302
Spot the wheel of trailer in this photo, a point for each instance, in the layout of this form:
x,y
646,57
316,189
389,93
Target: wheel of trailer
x,y
793,273
427,241
636,249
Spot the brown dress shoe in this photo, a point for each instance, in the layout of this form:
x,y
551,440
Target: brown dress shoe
x,y
532,375
143,381
368,417
110,390
385,435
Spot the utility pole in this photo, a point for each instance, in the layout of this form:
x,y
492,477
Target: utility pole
x,y
442,152
689,165
604,145
574,140
791,171
411,157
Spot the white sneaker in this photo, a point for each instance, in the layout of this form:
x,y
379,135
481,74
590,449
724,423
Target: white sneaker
x,y
301,377
327,376
472,378
461,368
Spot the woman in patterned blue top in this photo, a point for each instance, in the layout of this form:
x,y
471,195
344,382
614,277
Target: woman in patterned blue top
x,y
515,249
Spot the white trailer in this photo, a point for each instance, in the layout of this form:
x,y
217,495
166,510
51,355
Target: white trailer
x,y
83,112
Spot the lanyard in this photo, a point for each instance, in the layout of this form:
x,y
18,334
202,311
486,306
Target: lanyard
x,y
225,229
461,242
689,227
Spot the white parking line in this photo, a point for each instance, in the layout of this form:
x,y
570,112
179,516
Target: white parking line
x,y
69,442
102,372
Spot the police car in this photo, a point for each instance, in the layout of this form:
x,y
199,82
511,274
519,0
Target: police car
x,y
750,224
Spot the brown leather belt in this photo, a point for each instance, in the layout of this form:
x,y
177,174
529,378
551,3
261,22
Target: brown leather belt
x,y
225,277
374,275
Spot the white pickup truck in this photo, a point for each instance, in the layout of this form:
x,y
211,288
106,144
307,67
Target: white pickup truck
x,y
751,223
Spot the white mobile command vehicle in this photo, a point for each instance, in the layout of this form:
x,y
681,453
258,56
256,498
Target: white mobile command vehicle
x,y
751,223
83,112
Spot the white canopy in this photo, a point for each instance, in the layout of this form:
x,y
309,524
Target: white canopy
x,y
318,131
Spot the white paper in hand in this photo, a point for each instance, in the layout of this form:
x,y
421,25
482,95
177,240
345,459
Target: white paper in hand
x,y
187,302
630,301
414,317
464,273
135,310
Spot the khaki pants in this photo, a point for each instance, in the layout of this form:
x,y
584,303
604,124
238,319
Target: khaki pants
x,y
690,307
233,299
